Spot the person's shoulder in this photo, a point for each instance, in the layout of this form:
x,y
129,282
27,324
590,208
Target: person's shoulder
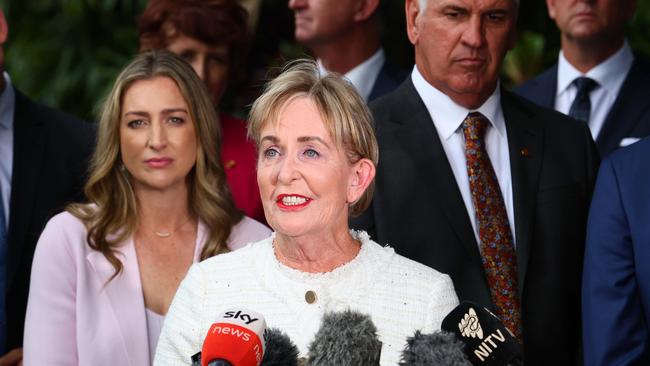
x,y
70,130
540,83
634,156
246,231
548,118
403,267
64,231
238,258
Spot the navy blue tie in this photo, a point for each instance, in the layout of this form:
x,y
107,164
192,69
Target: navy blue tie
x,y
581,106
3,276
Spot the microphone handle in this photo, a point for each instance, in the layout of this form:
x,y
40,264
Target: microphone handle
x,y
219,362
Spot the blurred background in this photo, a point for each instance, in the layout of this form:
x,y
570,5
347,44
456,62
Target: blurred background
x,y
66,53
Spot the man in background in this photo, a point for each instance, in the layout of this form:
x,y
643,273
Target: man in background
x,y
481,184
344,37
597,78
43,160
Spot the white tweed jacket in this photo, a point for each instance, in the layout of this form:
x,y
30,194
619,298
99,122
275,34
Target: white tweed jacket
x,y
399,294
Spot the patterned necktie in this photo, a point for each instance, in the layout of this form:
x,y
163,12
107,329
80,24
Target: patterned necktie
x,y
497,245
581,106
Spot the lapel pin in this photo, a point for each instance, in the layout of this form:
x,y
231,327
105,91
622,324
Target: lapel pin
x,y
524,151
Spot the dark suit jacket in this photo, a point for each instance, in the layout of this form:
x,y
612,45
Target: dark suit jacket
x,y
628,117
389,78
51,151
418,209
616,287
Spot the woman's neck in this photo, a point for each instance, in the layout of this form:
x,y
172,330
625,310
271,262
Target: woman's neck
x,y
163,210
316,253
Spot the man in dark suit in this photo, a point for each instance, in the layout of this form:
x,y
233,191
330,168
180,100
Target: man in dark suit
x,y
481,184
616,287
344,37
597,77
43,160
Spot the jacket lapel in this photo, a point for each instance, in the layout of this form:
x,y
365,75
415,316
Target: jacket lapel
x,y
28,157
124,293
417,130
525,141
630,104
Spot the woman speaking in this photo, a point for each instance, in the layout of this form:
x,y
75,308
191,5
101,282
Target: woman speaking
x,y
316,164
104,273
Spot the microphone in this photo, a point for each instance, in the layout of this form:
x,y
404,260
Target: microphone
x,y
439,348
280,351
487,341
345,338
235,339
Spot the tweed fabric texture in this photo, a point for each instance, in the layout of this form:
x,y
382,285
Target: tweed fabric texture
x,y
400,295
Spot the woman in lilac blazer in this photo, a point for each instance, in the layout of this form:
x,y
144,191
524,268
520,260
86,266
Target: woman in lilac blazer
x,y
105,272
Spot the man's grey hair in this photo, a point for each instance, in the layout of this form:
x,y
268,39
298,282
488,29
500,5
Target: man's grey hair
x,y
423,5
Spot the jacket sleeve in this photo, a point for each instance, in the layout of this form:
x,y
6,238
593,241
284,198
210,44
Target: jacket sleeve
x,y
614,327
182,334
50,324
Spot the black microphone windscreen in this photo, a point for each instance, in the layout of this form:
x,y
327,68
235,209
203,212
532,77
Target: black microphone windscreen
x,y
345,338
440,348
280,351
487,341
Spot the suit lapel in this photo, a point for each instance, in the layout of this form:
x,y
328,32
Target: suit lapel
x,y
124,293
525,138
28,156
416,131
631,102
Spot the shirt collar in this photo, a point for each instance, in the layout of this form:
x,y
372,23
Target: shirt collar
x,y
448,116
609,74
7,102
363,75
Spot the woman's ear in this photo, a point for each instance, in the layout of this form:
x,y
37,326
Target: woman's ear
x,y
363,172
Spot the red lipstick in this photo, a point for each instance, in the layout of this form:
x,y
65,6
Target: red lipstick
x,y
292,202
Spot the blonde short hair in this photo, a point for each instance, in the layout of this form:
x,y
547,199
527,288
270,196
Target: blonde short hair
x,y
344,113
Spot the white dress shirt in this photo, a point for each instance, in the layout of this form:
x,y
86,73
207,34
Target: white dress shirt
x,y
448,117
364,75
609,74
7,108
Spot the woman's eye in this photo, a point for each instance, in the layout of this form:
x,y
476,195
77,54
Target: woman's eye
x,y
176,120
135,123
311,153
271,153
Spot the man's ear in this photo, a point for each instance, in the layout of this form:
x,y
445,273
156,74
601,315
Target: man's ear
x,y
412,10
363,172
550,6
4,28
366,9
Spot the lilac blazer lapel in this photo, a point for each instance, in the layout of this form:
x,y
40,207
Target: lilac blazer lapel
x,y
126,299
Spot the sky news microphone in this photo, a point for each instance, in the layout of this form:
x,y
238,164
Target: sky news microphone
x,y
487,341
279,351
345,338
235,339
439,348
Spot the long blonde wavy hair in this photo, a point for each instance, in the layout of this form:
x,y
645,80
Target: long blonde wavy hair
x,y
111,214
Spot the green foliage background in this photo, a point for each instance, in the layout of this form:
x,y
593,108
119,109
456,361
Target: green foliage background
x,y
66,53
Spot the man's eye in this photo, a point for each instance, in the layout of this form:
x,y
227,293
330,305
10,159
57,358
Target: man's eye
x,y
496,17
